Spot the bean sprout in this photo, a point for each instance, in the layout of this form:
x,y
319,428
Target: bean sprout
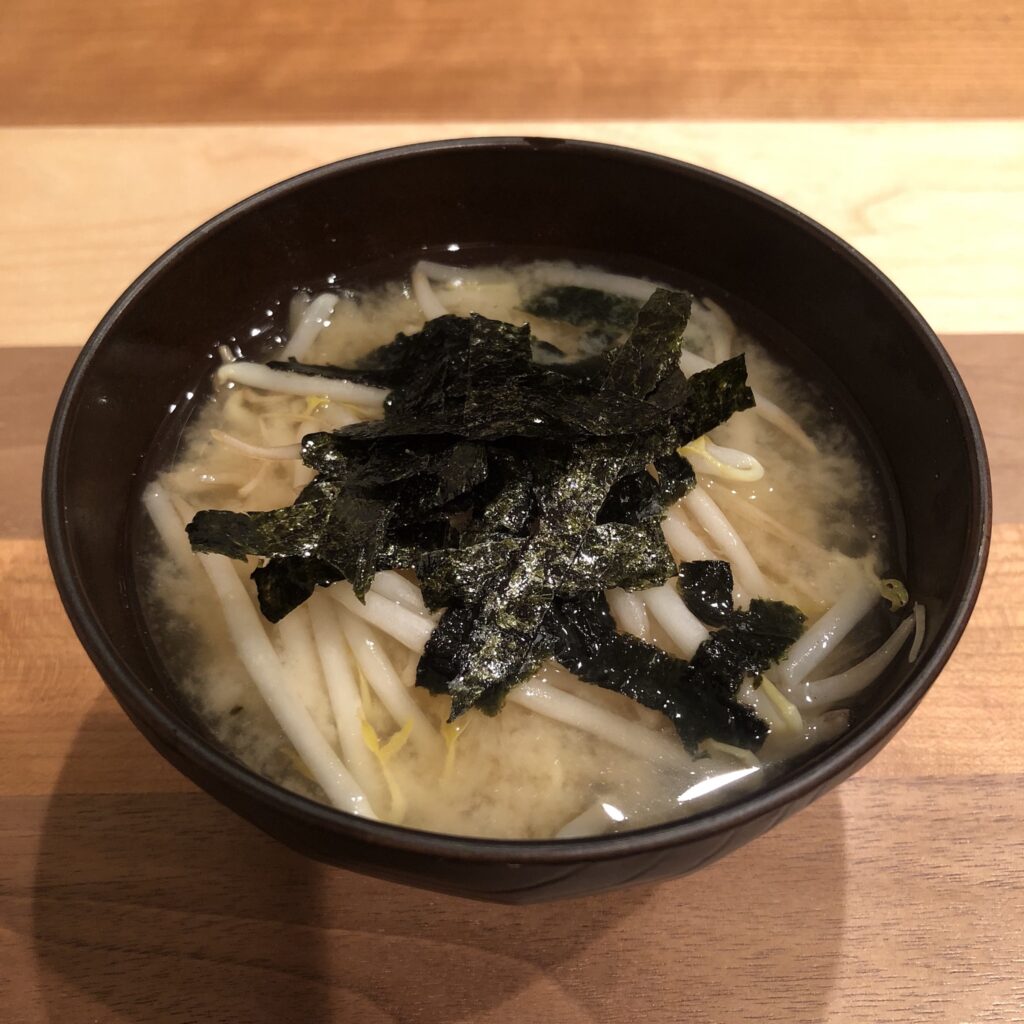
x,y
314,318
285,382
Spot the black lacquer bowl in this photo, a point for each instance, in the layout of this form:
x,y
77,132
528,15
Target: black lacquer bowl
x,y
528,196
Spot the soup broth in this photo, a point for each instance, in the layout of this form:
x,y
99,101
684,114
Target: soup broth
x,y
784,493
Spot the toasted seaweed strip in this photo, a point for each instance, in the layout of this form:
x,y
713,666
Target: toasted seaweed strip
x,y
482,383
700,403
675,477
752,639
283,532
284,583
343,529
612,555
652,349
505,643
423,480
602,316
584,639
620,555
589,370
749,643
633,498
706,589
446,651
510,505
463,576
466,356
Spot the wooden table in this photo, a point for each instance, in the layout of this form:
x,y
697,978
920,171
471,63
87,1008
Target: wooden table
x,y
127,895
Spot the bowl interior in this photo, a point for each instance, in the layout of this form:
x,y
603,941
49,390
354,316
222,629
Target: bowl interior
x,y
524,196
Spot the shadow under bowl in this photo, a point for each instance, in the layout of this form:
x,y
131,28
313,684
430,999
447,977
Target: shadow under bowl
x,y
528,196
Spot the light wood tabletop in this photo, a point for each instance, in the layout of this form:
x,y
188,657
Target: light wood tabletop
x,y
127,895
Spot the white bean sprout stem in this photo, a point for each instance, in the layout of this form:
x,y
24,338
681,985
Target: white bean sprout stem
x,y
725,333
384,681
557,275
255,480
594,821
682,627
314,318
343,691
395,587
685,544
749,510
294,643
256,451
688,547
546,699
261,661
629,612
790,713
286,382
745,757
442,271
299,302
700,504
757,700
826,633
408,627
842,686
170,528
919,627
264,667
430,305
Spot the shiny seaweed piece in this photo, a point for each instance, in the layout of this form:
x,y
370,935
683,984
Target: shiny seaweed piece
x,y
697,697
749,643
706,589
650,355
344,530
675,477
284,583
505,644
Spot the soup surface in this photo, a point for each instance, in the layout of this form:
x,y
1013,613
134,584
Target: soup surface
x,y
324,701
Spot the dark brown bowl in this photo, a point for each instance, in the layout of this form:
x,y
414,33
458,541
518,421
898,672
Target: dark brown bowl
x,y
619,206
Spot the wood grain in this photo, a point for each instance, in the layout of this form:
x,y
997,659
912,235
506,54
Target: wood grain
x,y
993,370
127,896
872,905
939,207
137,61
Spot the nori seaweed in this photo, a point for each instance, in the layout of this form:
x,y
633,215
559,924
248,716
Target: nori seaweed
x,y
519,491
341,529
698,697
706,589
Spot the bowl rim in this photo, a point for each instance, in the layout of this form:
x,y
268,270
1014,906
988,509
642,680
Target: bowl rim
x,y
833,764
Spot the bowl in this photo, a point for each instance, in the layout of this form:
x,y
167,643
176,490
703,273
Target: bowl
x,y
522,195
